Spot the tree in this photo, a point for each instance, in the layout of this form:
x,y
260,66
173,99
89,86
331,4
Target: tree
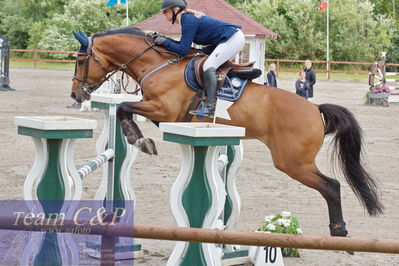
x,y
37,24
88,16
390,8
355,35
16,17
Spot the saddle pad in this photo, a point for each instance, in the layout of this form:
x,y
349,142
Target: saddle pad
x,y
230,91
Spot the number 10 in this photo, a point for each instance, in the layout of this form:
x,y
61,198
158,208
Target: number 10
x,y
271,254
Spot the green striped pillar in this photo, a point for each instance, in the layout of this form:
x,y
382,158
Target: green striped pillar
x,y
46,182
125,155
198,194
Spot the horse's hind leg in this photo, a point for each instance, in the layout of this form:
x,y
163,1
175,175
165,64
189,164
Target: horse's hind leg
x,y
329,188
331,191
132,131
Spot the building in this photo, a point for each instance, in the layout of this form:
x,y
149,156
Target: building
x,y
255,33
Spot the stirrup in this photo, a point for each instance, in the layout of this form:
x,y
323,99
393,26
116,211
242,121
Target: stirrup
x,y
201,114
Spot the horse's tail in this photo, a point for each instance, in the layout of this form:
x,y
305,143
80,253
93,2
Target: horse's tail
x,y
348,146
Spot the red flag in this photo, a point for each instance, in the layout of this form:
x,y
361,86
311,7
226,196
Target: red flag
x,y
323,5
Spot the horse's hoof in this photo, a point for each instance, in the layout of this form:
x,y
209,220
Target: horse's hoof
x,y
338,230
131,139
146,145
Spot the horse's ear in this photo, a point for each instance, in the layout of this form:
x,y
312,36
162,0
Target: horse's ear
x,y
83,35
76,35
81,38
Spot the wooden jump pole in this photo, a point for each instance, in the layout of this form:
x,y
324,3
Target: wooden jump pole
x,y
198,235
265,239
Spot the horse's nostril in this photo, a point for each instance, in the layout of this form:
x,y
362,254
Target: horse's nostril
x,y
73,95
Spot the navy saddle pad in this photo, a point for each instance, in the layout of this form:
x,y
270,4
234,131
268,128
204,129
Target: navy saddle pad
x,y
230,91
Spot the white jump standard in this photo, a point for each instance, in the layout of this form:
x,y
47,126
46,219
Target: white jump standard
x,y
198,195
55,177
52,179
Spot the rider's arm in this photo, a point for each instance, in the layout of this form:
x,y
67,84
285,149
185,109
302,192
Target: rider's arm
x,y
189,29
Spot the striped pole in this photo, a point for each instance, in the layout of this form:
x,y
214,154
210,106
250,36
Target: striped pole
x,y
94,164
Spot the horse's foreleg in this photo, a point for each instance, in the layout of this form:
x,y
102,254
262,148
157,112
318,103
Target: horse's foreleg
x,y
132,131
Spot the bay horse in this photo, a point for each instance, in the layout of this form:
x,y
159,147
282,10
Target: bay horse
x,y
292,128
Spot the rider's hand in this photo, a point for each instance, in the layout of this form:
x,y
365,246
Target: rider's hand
x,y
197,14
159,40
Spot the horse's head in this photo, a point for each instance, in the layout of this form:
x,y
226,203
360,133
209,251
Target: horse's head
x,y
90,70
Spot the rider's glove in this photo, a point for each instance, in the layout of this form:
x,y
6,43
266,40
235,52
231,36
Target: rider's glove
x,y
159,40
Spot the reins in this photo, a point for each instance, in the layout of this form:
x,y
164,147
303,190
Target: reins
x,y
87,88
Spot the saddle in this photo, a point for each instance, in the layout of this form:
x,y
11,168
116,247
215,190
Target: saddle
x,y
222,71
232,80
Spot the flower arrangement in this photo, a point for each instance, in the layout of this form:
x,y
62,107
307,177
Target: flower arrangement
x,y
381,89
282,223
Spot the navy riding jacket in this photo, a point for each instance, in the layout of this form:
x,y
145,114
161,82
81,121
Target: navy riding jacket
x,y
204,31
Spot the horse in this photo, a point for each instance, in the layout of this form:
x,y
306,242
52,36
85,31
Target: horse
x,y
291,127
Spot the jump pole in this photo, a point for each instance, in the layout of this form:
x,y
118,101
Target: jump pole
x,y
199,235
264,239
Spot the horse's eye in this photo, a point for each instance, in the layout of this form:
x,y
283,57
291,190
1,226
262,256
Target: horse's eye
x,y
80,62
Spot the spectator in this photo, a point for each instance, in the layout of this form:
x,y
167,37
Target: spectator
x,y
302,85
271,76
311,77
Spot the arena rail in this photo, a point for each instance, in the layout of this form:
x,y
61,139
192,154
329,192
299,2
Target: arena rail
x,y
330,70
36,58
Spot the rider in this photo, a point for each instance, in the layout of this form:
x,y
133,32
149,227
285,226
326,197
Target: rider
x,y
227,40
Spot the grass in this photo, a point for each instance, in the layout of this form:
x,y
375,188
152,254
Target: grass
x,y
44,65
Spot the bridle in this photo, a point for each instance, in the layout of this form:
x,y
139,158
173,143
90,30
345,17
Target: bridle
x,y
89,88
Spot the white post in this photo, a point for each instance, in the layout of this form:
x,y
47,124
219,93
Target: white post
x,y
127,12
328,35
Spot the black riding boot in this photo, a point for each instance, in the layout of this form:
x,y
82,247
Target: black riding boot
x,y
210,84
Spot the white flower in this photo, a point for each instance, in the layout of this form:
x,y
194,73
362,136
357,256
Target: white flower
x,y
284,222
299,231
286,214
271,227
269,218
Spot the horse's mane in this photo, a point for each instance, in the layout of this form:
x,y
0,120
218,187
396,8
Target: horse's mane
x,y
125,30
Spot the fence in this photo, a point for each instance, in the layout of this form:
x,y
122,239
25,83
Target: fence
x,y
328,66
281,64
36,56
